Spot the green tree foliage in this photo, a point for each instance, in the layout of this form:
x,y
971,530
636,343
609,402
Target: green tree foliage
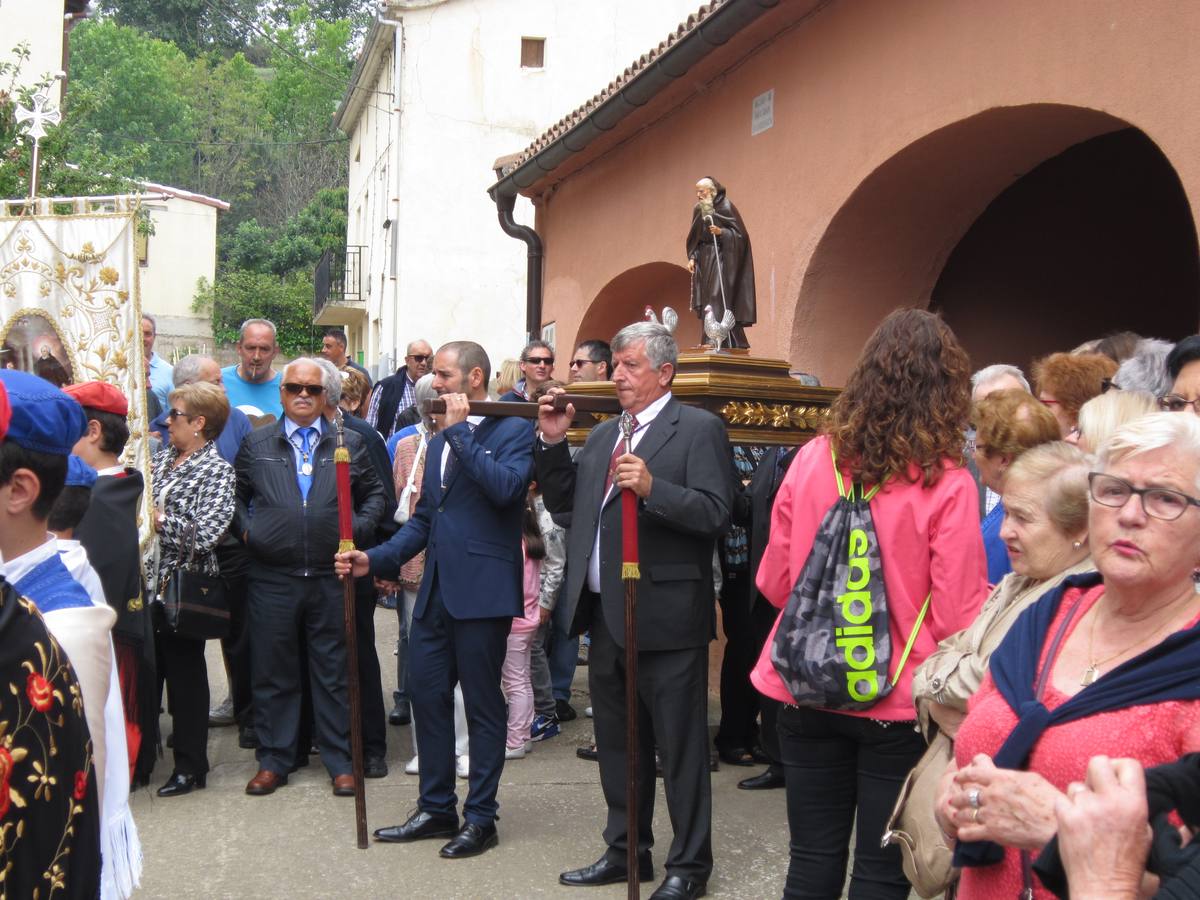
x,y
240,295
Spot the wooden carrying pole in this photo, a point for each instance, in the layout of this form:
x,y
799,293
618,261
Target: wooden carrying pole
x,y
341,459
583,403
630,573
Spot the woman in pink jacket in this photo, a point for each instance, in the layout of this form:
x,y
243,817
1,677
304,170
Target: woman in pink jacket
x,y
899,422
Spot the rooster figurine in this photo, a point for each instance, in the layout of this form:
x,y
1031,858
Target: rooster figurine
x,y
669,320
718,332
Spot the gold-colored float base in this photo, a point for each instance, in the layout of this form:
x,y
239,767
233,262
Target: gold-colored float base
x,y
759,401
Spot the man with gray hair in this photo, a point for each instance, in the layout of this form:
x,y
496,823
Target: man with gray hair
x,y
680,468
287,516
193,370
1000,377
252,385
1146,370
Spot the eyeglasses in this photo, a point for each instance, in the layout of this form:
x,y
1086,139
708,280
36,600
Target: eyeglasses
x,y
174,413
1159,503
540,361
314,390
580,363
418,357
1175,403
1107,384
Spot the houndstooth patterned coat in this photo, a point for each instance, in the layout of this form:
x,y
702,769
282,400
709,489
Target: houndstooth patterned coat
x,y
201,491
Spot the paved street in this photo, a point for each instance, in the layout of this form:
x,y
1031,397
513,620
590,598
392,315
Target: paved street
x,y
299,843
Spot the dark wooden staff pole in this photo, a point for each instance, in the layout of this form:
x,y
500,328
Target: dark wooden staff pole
x,y
630,573
341,458
582,403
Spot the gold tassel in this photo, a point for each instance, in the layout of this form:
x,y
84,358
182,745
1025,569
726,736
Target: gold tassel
x,y
341,455
345,546
630,570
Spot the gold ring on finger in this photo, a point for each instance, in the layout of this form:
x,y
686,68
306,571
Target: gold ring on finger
x,y
975,814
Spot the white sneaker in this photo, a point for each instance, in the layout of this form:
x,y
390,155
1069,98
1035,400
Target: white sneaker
x,y
588,712
222,714
412,768
529,746
515,753
462,766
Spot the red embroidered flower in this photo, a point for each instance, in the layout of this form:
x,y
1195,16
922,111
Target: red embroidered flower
x,y
39,691
6,765
80,785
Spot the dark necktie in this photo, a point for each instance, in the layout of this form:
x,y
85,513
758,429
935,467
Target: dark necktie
x,y
305,469
452,460
618,452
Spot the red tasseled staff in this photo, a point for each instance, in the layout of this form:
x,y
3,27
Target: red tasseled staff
x,y
341,459
630,573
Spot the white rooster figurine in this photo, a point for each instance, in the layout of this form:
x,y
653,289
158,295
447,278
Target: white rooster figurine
x,y
718,332
670,318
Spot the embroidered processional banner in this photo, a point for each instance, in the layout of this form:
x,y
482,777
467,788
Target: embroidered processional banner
x,y
70,307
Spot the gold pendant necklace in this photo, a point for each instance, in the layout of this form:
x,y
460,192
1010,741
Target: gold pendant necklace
x,y
1092,672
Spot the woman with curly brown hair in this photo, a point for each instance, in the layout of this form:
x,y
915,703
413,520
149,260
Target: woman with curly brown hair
x,y
1066,381
897,425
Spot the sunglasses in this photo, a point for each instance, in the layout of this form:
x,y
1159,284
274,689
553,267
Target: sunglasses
x,y
580,363
174,413
540,361
418,357
314,390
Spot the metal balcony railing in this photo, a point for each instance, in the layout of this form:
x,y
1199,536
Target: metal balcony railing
x,y
338,278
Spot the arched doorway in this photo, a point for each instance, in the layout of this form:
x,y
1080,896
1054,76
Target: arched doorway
x,y
624,300
1097,239
889,243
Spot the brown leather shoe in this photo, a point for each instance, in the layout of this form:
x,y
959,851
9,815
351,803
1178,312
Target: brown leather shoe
x,y
265,782
343,785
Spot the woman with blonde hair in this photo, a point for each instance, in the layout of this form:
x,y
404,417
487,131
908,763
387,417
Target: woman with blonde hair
x,y
1101,416
507,377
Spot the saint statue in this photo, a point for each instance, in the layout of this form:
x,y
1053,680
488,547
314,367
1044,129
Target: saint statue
x,y
720,261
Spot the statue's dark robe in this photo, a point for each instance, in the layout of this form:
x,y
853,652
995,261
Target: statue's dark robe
x,y
736,270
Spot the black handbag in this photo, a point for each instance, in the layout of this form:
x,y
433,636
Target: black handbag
x,y
194,605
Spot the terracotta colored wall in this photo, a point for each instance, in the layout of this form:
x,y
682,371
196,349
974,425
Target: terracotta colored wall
x,y
896,124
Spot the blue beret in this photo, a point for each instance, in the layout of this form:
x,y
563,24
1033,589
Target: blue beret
x,y
79,473
43,418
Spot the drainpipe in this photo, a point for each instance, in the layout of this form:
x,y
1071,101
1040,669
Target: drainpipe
x,y
505,204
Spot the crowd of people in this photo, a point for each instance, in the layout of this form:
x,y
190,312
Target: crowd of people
x,y
961,623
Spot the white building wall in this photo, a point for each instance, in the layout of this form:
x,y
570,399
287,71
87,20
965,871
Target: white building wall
x,y
465,100
40,23
182,250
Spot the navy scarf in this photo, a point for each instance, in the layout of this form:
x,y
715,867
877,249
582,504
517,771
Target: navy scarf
x,y
1167,671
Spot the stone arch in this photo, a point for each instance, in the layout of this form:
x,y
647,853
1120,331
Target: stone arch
x,y
624,298
888,243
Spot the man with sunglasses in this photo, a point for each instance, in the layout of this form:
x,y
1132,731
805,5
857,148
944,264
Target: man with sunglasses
x,y
537,367
393,396
591,361
287,515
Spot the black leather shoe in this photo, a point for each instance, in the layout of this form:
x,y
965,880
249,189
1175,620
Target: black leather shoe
x,y
420,825
179,784
676,888
589,753
563,711
605,871
375,767
471,841
401,714
772,778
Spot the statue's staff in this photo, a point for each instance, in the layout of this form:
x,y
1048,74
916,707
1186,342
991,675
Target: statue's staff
x,y
583,403
630,573
717,254
341,459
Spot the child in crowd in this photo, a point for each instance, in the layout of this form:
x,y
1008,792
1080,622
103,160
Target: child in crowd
x,y
515,676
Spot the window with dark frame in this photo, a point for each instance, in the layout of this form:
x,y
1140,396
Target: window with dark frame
x,y
533,53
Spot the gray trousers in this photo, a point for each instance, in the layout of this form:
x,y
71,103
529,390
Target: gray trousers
x,y
539,670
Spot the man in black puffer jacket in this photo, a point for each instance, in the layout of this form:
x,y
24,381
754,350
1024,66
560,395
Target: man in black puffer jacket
x,y
287,515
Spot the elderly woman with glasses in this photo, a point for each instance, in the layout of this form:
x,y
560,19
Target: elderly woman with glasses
x,y
194,502
1183,365
1104,664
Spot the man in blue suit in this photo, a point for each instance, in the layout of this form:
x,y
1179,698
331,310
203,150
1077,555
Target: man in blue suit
x,y
468,522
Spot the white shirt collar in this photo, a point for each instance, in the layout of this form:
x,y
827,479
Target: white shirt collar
x,y
650,413
15,569
111,470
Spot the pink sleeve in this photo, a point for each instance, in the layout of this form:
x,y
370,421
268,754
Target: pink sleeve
x,y
957,565
774,572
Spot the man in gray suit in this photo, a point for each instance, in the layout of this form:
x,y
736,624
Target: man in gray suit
x,y
681,471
